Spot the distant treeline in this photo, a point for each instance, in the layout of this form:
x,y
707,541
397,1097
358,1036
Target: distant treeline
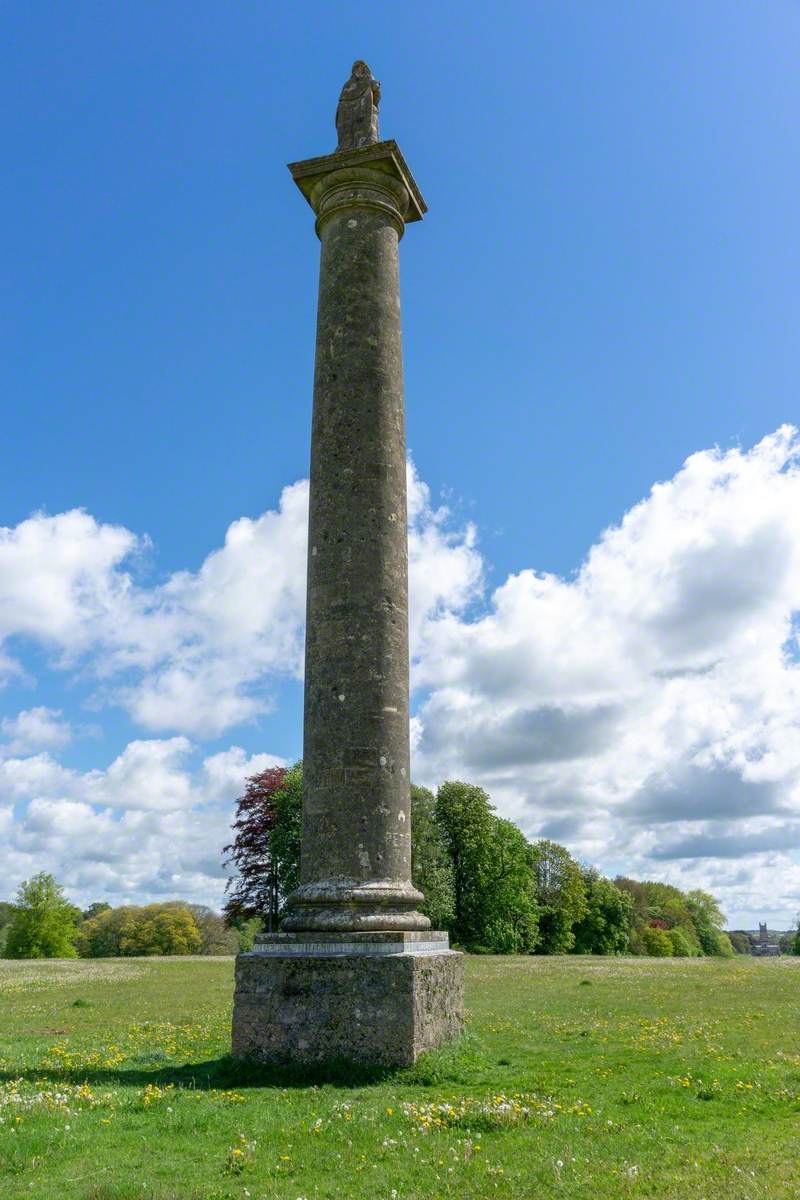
x,y
494,891
484,882
43,924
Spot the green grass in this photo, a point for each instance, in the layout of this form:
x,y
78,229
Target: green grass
x,y
578,1078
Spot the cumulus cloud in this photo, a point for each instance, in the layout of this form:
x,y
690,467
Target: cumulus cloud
x,y
151,825
645,710
33,728
199,653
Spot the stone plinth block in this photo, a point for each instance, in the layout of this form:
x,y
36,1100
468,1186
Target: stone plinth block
x,y
377,999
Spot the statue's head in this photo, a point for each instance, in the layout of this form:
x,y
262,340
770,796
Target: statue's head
x,y
360,69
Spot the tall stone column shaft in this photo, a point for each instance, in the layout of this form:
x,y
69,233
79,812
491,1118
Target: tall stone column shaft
x,y
356,854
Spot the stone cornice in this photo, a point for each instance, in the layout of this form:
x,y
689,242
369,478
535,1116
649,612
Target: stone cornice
x,y
384,157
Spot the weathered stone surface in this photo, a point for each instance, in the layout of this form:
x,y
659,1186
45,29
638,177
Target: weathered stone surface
x,y
403,941
367,1009
357,111
356,853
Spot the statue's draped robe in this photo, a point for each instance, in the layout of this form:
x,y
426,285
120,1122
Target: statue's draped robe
x,y
357,113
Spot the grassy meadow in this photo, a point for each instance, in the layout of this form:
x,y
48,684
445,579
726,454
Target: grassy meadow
x,y
578,1077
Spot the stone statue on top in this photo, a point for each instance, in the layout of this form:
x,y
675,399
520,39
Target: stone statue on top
x,y
357,113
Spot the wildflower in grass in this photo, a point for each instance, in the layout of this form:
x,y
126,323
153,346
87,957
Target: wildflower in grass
x,y
239,1156
222,1097
495,1112
68,1099
153,1093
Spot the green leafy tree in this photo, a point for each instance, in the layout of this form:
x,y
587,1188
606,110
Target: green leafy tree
x,y
606,925
44,921
740,942
431,868
656,941
161,930
640,898
725,948
287,832
681,946
560,894
94,910
153,929
636,942
465,816
511,914
708,922
6,916
246,931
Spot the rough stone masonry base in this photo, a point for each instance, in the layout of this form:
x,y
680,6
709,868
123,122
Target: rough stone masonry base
x,y
374,1005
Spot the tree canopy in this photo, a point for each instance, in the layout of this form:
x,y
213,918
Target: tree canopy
x,y
44,922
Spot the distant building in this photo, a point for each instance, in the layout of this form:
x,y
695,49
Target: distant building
x,y
766,944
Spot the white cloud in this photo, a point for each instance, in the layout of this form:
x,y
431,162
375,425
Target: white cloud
x,y
225,771
60,578
199,653
647,708
150,826
33,728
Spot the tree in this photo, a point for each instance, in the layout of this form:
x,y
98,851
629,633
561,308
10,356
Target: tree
x,y
6,916
662,905
640,898
511,913
161,929
740,942
465,816
681,946
253,890
708,921
657,942
44,921
605,926
287,832
246,931
560,894
431,868
94,910
153,929
215,936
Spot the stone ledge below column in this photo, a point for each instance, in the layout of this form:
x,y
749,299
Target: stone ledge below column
x,y
368,1006
353,942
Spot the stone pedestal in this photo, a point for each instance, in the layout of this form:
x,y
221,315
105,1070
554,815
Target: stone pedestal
x,y
372,999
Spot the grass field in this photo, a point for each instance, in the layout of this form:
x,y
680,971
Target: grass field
x,y
578,1077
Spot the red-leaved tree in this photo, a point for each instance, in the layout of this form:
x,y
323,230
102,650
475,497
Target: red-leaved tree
x,y
253,891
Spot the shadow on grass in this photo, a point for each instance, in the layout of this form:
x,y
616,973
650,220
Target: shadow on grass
x,y
225,1073
457,1062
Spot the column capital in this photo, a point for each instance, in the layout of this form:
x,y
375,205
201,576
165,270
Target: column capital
x,y
381,165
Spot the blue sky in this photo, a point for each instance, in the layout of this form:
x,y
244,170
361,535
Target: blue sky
x,y
605,285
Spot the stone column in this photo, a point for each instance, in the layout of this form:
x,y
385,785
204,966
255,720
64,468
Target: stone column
x,y
356,860
356,973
